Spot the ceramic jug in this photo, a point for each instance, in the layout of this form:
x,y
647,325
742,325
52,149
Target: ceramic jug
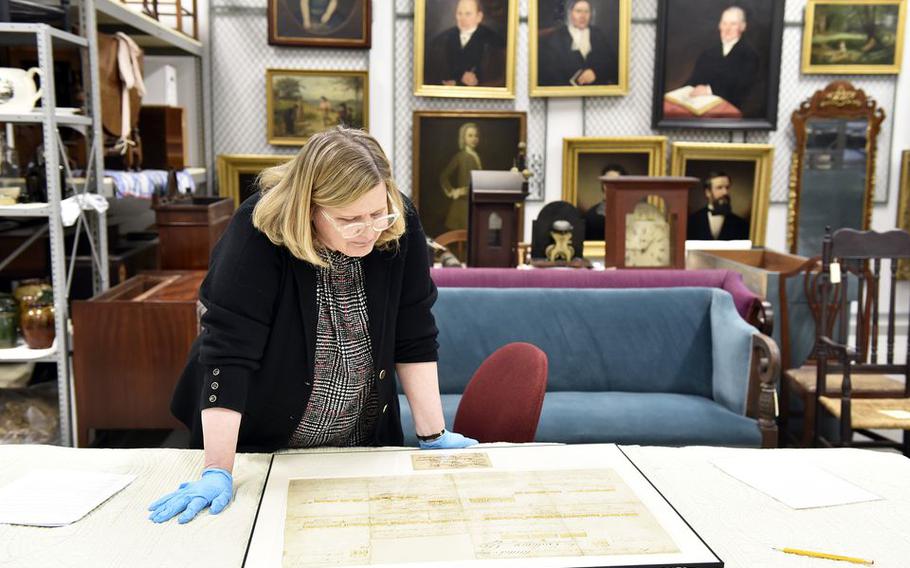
x,y
18,92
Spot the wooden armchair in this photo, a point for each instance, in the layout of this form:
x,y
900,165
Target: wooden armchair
x,y
800,380
456,241
861,253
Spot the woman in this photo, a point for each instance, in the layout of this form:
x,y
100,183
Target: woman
x,y
577,53
317,291
455,179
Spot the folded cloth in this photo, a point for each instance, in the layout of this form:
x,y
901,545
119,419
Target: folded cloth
x,y
70,207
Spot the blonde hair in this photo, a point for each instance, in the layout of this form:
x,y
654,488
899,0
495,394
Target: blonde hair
x,y
333,169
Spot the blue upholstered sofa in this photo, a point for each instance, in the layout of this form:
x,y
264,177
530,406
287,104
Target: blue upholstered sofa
x,y
662,366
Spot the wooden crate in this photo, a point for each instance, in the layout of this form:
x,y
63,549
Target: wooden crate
x,y
129,346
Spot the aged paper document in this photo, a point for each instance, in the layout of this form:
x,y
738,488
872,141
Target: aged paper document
x,y
468,516
467,460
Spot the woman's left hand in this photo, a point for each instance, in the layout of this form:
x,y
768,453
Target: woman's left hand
x,y
448,441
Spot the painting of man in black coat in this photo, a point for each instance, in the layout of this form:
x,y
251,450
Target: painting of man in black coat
x,y
577,52
716,220
727,69
468,54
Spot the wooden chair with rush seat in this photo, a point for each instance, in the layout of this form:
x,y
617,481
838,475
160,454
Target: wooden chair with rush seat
x,y
800,381
502,402
861,253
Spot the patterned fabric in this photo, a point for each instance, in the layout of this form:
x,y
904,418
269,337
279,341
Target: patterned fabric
x,y
342,407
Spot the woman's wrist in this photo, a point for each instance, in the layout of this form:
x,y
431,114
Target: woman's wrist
x,y
431,437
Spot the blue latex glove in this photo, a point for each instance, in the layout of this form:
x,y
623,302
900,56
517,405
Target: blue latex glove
x,y
448,441
213,490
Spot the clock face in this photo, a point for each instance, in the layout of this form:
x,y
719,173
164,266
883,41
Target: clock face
x,y
647,237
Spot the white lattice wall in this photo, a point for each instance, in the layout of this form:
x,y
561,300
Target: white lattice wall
x,y
240,55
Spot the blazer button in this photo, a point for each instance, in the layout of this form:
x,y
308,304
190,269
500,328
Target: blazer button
x,y
213,398
216,371
214,386
381,374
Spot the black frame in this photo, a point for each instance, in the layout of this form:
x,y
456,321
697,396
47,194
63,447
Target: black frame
x,y
769,122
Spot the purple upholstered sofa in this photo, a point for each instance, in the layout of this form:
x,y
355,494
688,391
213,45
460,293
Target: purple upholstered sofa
x,y
748,304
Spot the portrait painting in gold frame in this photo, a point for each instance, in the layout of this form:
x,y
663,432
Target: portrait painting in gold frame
x,y
579,48
237,173
747,172
585,159
855,37
465,48
300,103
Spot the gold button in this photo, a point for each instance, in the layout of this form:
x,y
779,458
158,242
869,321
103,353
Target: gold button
x,y
384,408
213,398
216,372
381,374
214,386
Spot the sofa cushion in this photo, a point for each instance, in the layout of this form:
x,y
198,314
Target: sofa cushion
x,y
655,340
449,407
623,418
647,419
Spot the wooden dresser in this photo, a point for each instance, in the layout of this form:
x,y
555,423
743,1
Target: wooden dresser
x,y
129,346
188,230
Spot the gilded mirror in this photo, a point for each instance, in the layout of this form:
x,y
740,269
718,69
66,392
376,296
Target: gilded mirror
x,y
832,173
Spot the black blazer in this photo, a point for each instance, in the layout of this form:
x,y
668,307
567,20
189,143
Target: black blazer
x,y
483,54
698,228
255,353
731,77
558,62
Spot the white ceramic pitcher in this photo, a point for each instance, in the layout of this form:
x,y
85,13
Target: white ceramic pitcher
x,y
18,92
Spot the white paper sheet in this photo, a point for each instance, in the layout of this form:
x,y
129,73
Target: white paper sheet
x,y
794,482
53,498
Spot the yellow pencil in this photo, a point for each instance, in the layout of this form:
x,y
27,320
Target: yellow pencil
x,y
826,556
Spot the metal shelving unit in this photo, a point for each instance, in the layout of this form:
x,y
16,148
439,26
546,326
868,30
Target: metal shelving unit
x,y
95,225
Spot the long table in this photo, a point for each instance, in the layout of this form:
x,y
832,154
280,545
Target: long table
x,y
739,523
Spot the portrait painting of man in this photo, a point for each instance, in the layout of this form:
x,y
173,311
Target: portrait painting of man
x,y
320,23
718,64
463,47
716,221
448,146
301,103
579,47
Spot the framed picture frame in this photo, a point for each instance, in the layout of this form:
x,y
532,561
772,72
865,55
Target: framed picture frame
x,y
857,37
448,145
903,210
585,159
451,62
300,103
559,68
717,65
747,169
237,173
303,23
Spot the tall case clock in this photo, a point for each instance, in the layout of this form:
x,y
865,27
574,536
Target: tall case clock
x,y
646,221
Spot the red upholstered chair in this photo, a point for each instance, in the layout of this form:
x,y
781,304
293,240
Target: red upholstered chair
x,y
502,401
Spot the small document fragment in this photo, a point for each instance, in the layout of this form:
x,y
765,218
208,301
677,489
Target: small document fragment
x,y
793,482
55,497
465,460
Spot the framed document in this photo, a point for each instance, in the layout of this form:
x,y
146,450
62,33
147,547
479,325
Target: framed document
x,y
577,505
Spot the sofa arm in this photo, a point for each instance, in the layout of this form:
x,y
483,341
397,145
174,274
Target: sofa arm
x,y
762,397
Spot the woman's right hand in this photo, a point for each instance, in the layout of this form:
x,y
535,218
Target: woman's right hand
x,y
214,490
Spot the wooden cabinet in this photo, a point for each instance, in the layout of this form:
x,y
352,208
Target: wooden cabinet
x,y
188,230
161,129
129,346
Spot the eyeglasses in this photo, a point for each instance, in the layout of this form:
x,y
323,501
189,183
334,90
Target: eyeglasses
x,y
354,230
